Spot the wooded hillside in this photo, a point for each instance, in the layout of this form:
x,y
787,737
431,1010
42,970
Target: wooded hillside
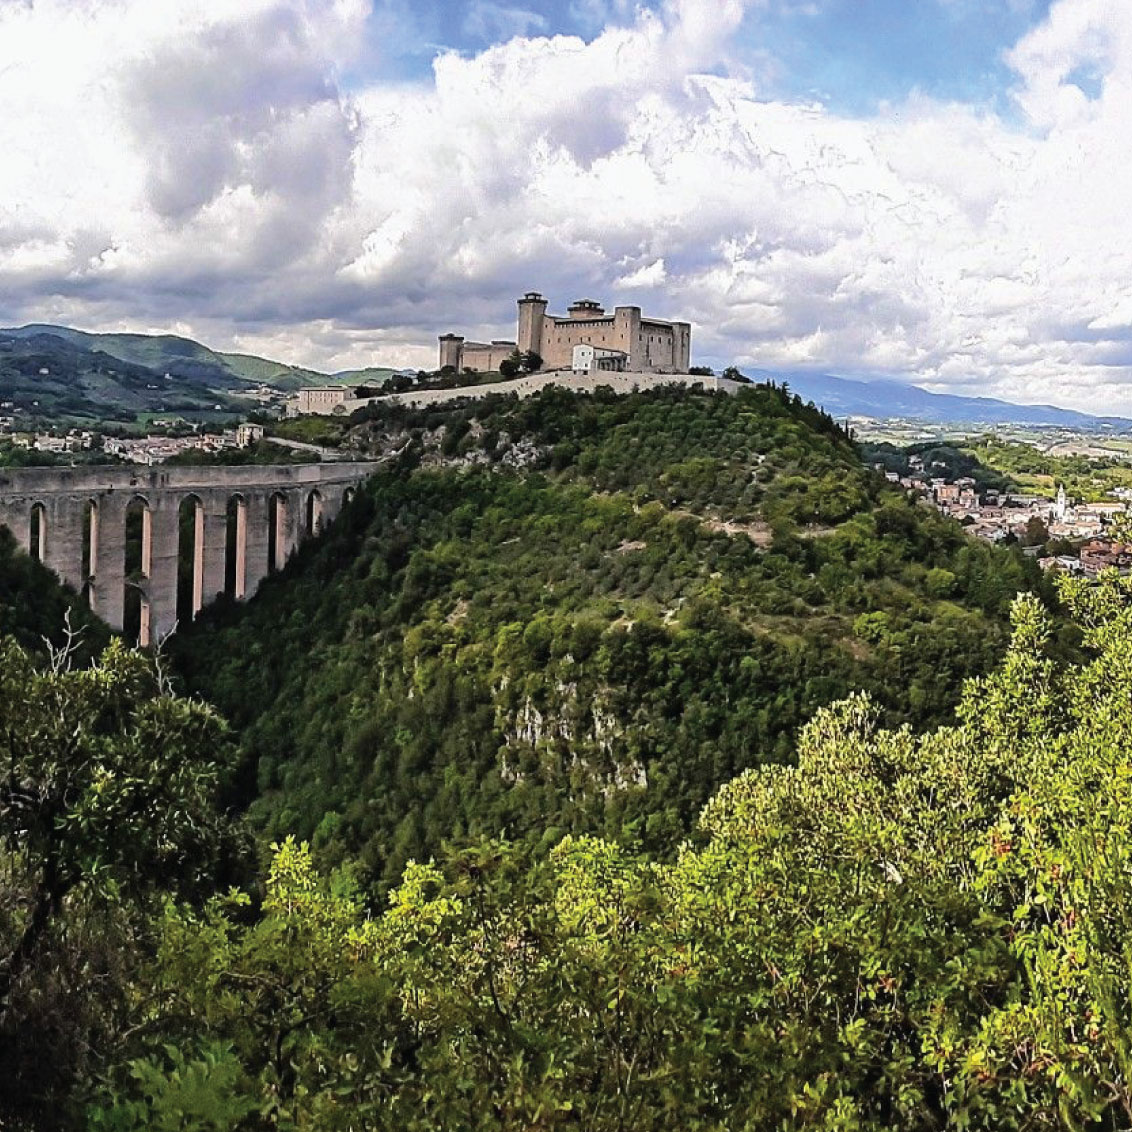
x,y
585,614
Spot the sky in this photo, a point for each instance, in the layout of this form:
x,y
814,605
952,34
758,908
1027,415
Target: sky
x,y
937,190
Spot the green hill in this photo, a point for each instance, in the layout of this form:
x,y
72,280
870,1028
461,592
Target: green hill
x,y
181,357
586,613
55,374
52,378
150,351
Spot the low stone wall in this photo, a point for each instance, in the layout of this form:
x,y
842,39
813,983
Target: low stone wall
x,y
561,379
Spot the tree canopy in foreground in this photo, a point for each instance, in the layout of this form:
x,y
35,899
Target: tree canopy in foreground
x,y
109,792
902,931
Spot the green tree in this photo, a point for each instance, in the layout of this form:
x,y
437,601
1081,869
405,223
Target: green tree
x,y
511,366
1036,532
941,582
108,795
309,1023
900,932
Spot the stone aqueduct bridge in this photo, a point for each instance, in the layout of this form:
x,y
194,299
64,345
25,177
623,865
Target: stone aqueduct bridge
x,y
74,521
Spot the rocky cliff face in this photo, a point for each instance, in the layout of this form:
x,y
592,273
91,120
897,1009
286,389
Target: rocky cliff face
x,y
578,737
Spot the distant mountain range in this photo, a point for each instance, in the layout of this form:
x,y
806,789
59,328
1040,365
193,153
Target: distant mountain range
x,y
57,373
884,398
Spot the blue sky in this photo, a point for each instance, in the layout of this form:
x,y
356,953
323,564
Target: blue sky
x,y
929,190
852,55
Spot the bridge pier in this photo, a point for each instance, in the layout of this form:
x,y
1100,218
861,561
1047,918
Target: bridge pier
x,y
271,521
257,531
15,514
63,542
160,588
108,573
289,525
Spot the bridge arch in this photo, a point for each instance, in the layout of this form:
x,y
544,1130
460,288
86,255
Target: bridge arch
x,y
37,531
190,546
168,528
136,548
139,536
314,513
90,545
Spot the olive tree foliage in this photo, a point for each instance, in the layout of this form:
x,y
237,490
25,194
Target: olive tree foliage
x,y
900,931
108,794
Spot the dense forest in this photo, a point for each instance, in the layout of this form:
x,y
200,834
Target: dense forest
x,y
584,614
611,763
950,461
903,929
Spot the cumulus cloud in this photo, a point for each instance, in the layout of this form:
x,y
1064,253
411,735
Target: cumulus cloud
x,y
653,274
201,145
201,165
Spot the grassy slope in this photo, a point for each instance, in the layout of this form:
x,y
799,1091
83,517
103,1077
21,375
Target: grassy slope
x,y
186,358
263,371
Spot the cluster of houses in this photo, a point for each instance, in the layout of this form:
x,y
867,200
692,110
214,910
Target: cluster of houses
x,y
152,450
149,450
1095,556
74,440
996,516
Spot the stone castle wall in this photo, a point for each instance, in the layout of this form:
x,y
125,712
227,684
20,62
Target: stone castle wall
x,y
649,345
484,356
533,383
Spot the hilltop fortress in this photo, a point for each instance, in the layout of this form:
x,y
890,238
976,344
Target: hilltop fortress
x,y
585,340
584,350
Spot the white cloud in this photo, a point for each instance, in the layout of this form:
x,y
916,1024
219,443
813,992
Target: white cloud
x,y
197,163
650,275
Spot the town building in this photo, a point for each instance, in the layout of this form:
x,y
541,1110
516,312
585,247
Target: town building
x,y
595,359
320,399
1060,511
1102,554
648,345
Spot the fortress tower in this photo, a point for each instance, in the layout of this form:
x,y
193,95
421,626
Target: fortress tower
x,y
532,315
452,351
